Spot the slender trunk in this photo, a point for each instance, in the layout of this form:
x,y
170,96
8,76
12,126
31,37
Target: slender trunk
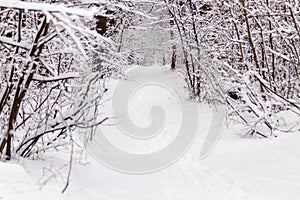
x,y
172,36
252,46
21,89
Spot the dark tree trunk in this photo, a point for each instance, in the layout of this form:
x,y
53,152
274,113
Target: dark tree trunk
x,y
173,59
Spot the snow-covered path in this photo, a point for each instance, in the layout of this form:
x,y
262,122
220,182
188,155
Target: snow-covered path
x,y
188,178
238,168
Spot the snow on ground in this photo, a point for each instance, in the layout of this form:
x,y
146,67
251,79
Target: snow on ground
x,y
266,168
15,183
238,168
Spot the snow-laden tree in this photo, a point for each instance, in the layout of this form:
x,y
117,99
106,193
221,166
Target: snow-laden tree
x,y
49,87
262,60
243,53
192,26
145,38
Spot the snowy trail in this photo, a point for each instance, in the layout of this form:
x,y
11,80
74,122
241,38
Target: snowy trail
x,y
188,178
237,169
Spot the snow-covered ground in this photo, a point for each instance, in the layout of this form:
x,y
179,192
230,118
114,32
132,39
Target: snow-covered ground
x,y
238,168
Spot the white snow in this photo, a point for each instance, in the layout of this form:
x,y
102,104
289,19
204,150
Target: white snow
x,y
238,168
45,7
13,43
15,183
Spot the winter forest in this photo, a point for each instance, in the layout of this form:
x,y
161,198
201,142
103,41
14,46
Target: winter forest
x,y
64,65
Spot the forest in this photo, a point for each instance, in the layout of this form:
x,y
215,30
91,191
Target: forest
x,y
58,58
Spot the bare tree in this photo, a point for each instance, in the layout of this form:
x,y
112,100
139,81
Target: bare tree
x,y
242,53
48,88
